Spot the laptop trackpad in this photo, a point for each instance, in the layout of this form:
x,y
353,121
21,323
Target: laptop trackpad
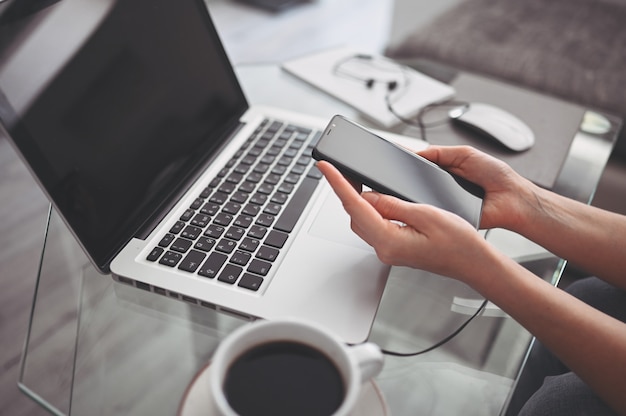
x,y
332,223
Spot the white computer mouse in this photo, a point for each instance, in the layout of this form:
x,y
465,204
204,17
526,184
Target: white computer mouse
x,y
495,123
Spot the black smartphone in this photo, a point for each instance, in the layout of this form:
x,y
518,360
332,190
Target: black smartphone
x,y
385,167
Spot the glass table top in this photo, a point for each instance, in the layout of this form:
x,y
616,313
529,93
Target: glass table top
x,y
99,347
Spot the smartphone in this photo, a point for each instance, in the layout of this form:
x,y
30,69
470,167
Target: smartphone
x,y
385,167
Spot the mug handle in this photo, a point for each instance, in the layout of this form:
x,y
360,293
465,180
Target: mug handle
x,y
369,359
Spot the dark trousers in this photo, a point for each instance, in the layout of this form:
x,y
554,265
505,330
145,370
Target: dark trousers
x,y
546,386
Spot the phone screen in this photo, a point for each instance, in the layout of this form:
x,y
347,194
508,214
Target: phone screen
x,y
387,168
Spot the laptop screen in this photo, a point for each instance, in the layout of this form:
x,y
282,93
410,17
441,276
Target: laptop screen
x,y
113,104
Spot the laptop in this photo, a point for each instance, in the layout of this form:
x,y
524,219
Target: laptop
x,y
130,117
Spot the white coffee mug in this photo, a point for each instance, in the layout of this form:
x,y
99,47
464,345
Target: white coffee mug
x,y
354,364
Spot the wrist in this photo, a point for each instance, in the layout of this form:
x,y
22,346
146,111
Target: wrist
x,y
528,208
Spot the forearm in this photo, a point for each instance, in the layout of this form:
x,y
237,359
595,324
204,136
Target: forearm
x,y
591,344
589,237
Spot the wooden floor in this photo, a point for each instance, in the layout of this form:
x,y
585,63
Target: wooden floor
x,y
250,35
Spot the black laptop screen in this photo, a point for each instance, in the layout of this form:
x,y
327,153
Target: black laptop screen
x,y
112,103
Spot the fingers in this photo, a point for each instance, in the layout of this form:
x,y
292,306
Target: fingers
x,y
342,187
448,157
357,204
361,212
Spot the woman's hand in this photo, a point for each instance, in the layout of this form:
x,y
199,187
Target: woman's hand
x,y
508,197
408,234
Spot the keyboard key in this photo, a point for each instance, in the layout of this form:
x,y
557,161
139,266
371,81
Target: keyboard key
x,y
251,210
279,170
259,267
284,161
294,209
187,215
197,203
206,192
155,254
191,232
230,274
247,187
276,239
266,188
232,208
273,151
261,168
298,170
286,188
210,209
303,160
204,244
257,232
239,197
249,244
177,227
225,246
212,265
223,219
226,188
279,198
166,240
267,253
243,221
235,233
234,177
218,198
258,199
272,209
272,179
315,173
250,281
213,184
192,261
201,220
265,220
241,257
181,245
214,231
290,152
170,258
292,179
242,168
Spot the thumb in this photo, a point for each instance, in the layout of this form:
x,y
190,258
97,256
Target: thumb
x,y
421,217
389,207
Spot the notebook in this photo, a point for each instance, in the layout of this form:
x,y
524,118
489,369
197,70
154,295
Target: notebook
x,y
131,118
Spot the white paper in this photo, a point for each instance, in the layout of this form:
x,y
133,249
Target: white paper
x,y
336,73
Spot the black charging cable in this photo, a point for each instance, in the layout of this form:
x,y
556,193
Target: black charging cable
x,y
419,117
443,341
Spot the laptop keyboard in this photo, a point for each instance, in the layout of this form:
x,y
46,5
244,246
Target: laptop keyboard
x,y
236,227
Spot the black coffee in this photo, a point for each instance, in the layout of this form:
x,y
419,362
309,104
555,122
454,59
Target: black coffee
x,y
284,378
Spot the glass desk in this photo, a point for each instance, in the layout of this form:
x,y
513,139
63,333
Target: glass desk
x,y
98,347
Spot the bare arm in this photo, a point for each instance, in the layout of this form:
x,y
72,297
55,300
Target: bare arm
x,y
587,236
